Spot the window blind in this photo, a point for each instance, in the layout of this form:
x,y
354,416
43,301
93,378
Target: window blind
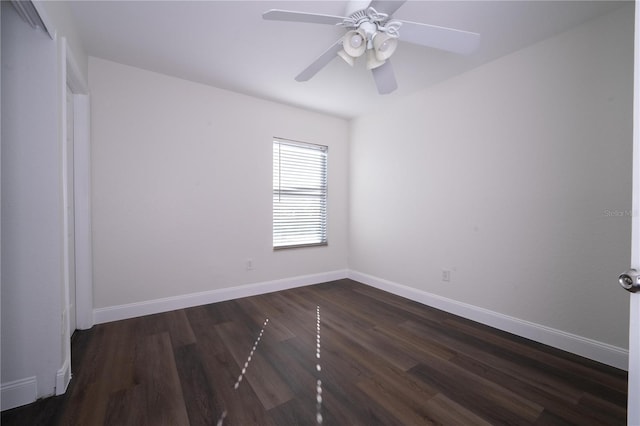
x,y
299,194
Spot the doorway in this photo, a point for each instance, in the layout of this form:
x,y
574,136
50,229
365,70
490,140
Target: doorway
x,y
70,212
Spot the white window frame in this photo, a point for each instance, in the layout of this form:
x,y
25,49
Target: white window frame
x,y
300,194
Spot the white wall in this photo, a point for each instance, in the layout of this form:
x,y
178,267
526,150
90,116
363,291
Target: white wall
x,y
513,176
31,213
182,182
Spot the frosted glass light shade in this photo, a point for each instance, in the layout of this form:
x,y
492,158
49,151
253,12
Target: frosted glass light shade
x,y
354,43
347,58
384,46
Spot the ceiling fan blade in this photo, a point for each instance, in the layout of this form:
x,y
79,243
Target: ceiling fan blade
x,y
292,16
321,62
385,78
387,6
449,39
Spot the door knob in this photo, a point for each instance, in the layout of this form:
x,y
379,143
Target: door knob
x,y
630,280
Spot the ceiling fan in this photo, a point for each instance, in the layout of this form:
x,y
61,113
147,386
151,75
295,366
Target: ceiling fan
x,y
373,31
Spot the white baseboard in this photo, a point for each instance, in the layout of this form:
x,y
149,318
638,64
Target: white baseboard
x,y
63,377
18,392
132,310
588,348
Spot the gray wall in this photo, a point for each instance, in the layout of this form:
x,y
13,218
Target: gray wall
x,y
31,209
182,183
515,176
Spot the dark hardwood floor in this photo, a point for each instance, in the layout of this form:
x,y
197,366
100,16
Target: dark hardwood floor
x,y
341,352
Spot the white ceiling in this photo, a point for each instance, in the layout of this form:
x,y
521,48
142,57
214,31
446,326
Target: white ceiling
x,y
227,44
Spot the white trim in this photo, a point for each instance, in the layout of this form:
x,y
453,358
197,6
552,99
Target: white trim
x,y
82,211
18,392
33,13
63,377
131,310
633,391
82,189
64,167
49,28
75,79
588,348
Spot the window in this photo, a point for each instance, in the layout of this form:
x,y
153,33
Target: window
x,y
299,194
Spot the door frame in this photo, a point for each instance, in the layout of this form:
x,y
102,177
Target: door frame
x,y
70,77
633,396
82,194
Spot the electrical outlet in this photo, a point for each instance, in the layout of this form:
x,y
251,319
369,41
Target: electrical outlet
x,y
249,264
446,275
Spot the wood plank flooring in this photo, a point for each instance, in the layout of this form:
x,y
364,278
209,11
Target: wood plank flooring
x,y
380,360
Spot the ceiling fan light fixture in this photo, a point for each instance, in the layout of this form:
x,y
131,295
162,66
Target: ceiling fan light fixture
x,y
384,45
354,43
377,34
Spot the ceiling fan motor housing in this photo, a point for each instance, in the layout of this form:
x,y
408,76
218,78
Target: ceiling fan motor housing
x,y
371,23
370,29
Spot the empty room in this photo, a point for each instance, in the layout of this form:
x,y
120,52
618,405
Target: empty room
x,y
320,213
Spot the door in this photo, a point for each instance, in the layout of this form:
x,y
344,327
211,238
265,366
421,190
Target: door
x,y
633,402
70,211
